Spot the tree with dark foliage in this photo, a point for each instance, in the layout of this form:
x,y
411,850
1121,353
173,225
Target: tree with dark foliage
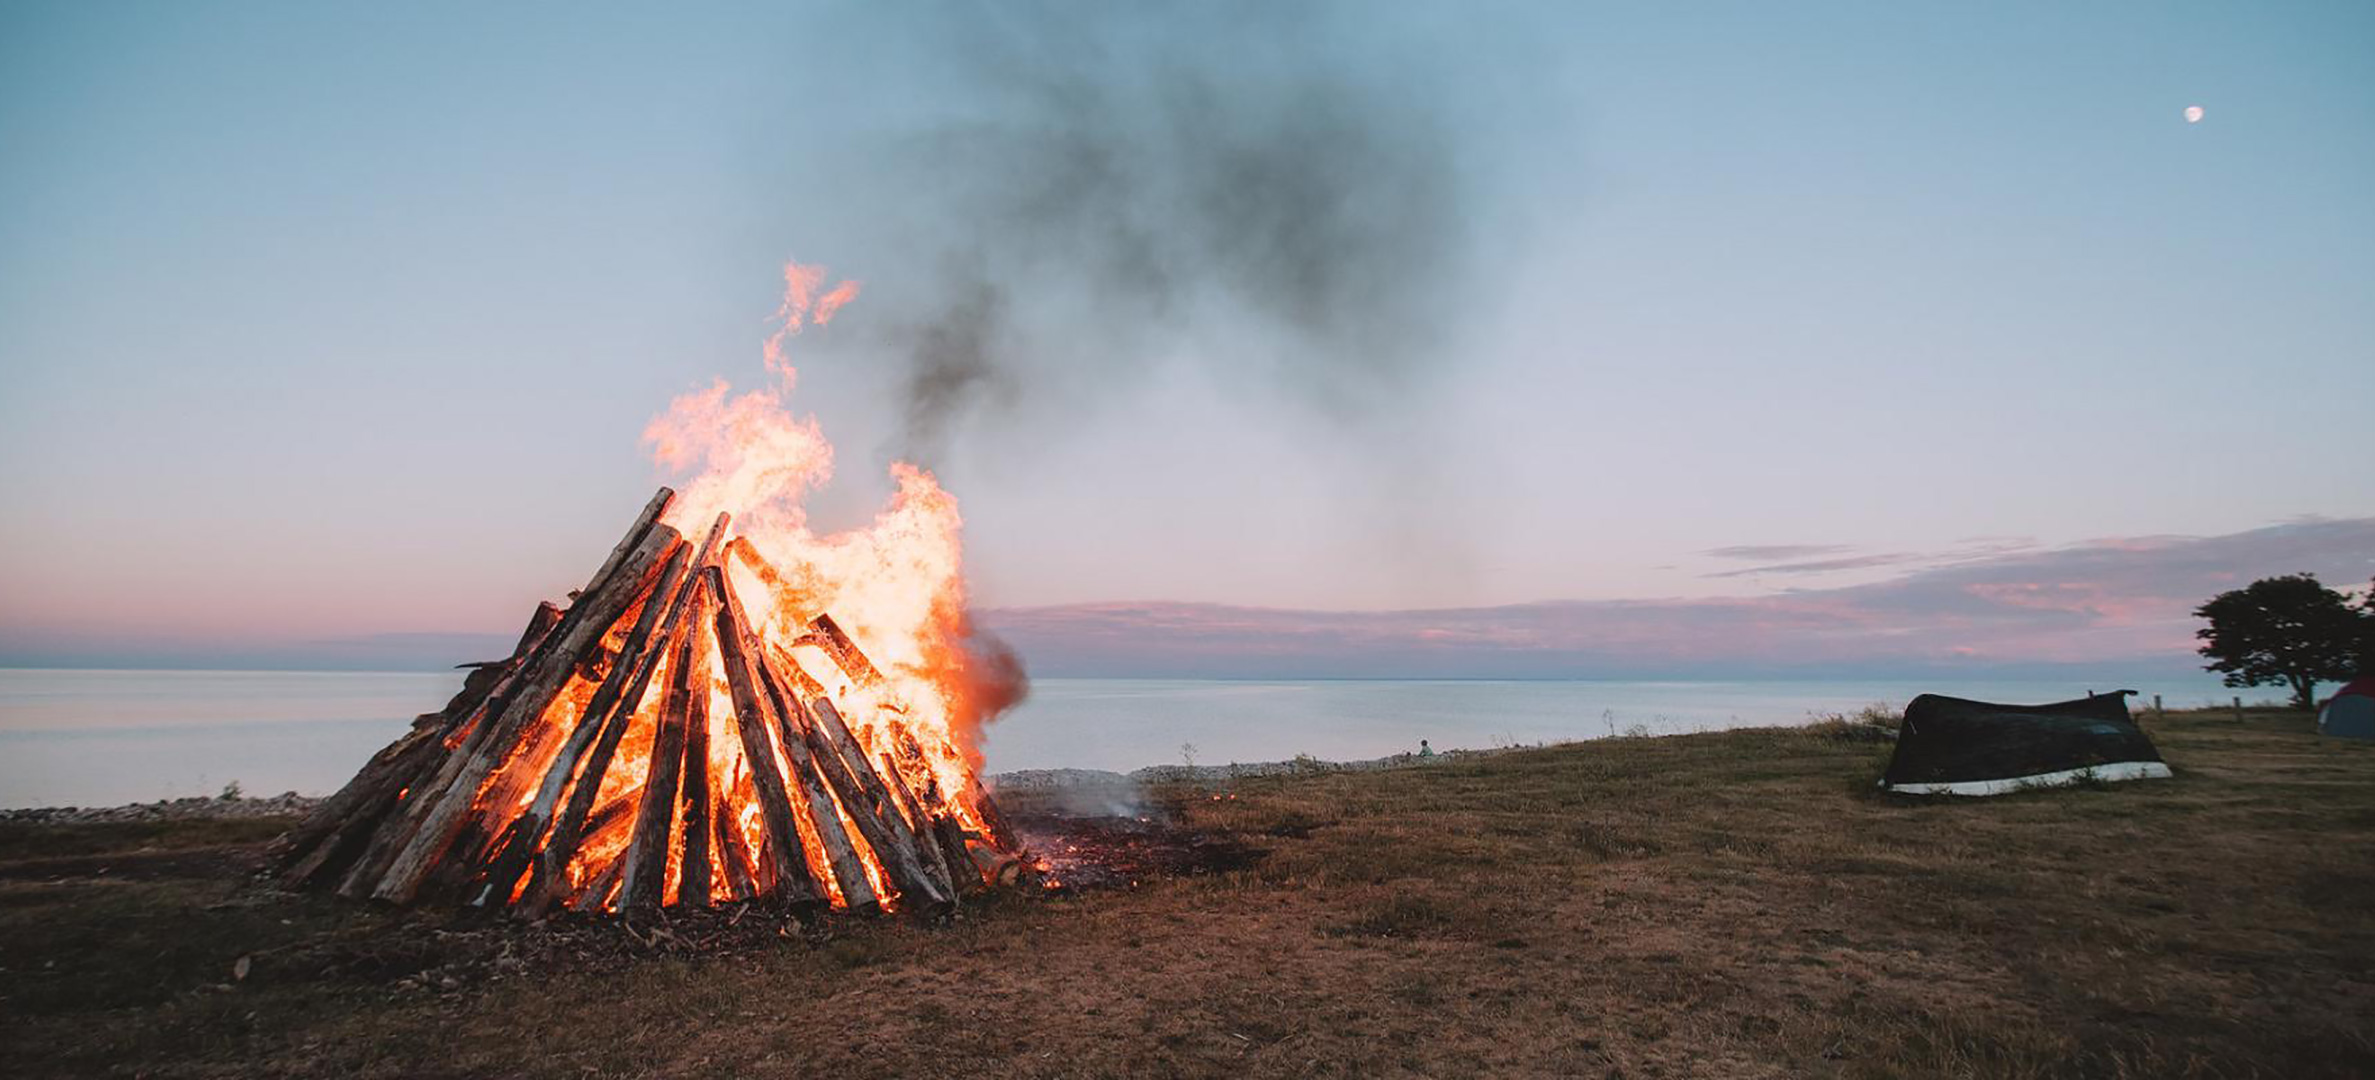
x,y
2288,630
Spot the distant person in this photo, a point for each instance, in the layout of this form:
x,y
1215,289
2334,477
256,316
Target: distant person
x,y
1425,751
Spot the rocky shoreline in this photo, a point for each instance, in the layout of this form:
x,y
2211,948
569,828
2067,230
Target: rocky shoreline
x,y
1058,779
194,808
291,804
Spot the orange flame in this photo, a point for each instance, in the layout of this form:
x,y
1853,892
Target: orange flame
x,y
800,303
894,587
869,623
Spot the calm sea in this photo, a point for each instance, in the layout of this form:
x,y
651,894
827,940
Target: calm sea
x,y
95,738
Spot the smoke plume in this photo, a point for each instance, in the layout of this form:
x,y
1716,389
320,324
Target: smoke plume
x,y
1237,186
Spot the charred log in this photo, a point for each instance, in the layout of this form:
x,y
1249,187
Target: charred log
x,y
534,688
826,634
750,718
514,795
824,815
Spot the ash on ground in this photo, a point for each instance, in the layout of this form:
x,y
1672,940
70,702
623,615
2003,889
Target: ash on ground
x,y
1115,837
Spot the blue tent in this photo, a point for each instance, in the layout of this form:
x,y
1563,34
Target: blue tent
x,y
2350,713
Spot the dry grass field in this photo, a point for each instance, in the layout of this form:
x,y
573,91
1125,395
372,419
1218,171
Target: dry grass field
x,y
1732,904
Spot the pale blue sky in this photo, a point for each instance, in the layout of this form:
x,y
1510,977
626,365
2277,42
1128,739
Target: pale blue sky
x,y
323,321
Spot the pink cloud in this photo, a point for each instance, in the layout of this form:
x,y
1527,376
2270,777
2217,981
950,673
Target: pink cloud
x,y
2109,600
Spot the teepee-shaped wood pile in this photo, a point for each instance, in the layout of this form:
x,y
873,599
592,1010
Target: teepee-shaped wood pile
x,y
645,747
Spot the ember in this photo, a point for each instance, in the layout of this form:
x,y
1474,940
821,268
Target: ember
x,y
1116,851
732,708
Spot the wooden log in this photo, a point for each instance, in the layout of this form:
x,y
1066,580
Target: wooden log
x,y
762,867
481,891
644,522
537,683
334,834
918,827
951,836
1001,836
868,802
596,894
568,829
486,678
826,634
902,796
486,675
824,817
443,814
802,683
742,551
512,781
973,795
598,732
603,819
647,853
477,732
644,641
464,734
945,832
908,747
692,888
733,857
606,828
467,732
388,840
884,800
548,615
751,721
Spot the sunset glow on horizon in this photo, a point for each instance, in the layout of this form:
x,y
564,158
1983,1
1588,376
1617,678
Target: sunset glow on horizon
x,y
323,355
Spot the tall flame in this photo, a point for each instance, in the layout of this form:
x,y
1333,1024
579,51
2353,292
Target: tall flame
x,y
801,303
896,585
793,709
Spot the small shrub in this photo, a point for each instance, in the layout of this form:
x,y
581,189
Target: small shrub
x,y
1872,723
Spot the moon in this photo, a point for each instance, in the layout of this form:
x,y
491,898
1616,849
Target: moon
x,y
2193,114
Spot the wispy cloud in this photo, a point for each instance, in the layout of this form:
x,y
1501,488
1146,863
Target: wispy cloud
x,y
1824,566
2112,601
1776,552
1794,558
1998,602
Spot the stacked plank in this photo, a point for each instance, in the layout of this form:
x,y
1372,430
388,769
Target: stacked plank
x,y
517,793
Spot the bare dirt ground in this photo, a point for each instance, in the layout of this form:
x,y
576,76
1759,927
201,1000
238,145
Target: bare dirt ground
x,y
1732,904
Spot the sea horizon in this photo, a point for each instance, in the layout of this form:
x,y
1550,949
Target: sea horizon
x,y
112,736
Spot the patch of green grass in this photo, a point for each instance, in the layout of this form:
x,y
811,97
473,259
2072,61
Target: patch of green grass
x,y
1870,724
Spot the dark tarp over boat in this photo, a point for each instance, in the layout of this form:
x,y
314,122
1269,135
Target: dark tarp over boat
x,y
1950,746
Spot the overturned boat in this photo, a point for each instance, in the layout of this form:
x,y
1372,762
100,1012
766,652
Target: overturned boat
x,y
1952,746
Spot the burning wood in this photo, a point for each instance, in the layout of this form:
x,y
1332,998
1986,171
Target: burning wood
x,y
659,743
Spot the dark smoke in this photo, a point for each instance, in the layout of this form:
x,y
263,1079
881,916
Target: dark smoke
x,y
954,359
1239,187
994,677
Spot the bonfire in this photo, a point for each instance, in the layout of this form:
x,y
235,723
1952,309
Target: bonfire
x,y
734,707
